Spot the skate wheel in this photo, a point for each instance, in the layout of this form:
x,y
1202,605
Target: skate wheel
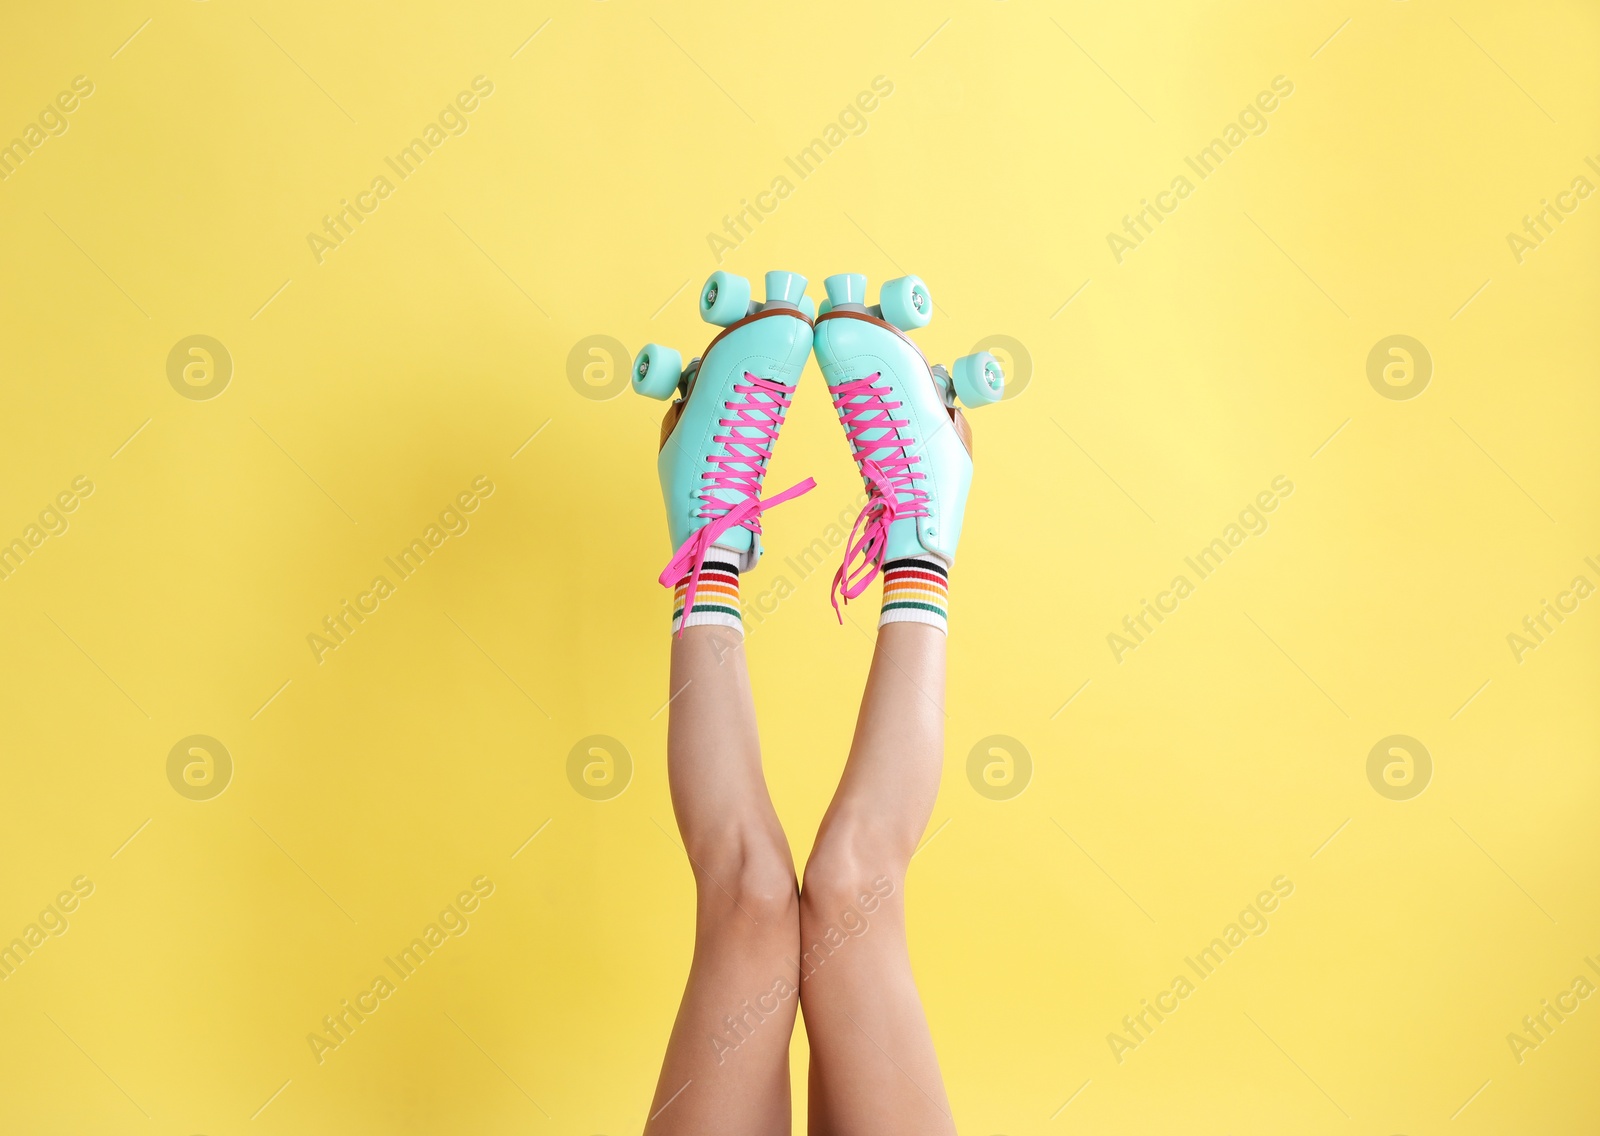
x,y
979,379
906,303
725,299
824,308
656,371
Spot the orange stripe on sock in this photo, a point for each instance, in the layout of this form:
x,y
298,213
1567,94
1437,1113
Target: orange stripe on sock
x,y
706,591
907,591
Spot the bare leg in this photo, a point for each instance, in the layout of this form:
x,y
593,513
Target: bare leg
x,y
873,1068
727,1064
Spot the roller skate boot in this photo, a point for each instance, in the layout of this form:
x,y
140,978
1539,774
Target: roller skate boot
x,y
910,442
718,434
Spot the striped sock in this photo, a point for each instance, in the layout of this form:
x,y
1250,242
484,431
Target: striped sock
x,y
716,596
916,590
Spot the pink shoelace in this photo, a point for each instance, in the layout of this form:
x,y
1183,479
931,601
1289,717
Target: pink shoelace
x,y
757,410
891,476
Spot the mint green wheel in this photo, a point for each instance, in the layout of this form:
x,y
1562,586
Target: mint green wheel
x,y
906,303
824,308
808,307
656,371
979,379
725,299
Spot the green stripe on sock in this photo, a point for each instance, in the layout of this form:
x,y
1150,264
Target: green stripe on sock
x,y
700,608
911,604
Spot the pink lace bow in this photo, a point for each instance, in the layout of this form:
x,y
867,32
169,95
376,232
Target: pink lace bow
x,y
891,476
757,410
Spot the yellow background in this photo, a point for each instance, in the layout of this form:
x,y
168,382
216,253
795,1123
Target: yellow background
x,y
369,389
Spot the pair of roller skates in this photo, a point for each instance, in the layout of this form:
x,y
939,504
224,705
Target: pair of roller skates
x,y
910,442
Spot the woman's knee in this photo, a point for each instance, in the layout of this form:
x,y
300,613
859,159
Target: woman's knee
x,y
849,871
747,878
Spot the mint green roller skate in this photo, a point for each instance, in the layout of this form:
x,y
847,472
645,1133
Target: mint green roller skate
x,y
911,443
717,436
